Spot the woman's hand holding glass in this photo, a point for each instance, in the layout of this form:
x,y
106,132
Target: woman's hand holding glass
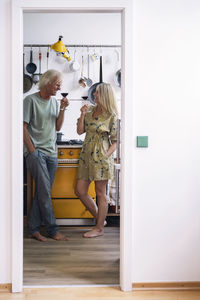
x,y
84,109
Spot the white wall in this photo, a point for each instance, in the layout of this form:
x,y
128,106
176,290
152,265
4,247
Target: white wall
x,y
76,29
84,28
166,241
166,209
5,137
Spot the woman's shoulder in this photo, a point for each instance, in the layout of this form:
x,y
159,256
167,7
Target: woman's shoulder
x,y
113,116
90,110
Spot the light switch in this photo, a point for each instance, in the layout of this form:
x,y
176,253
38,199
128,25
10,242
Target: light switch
x,y
142,141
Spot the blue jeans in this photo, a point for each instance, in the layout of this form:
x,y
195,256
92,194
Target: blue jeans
x,y
43,170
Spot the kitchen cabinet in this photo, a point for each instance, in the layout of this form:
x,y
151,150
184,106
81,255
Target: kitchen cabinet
x,y
65,202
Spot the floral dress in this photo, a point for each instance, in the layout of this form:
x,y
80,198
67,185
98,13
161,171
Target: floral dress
x,y
101,132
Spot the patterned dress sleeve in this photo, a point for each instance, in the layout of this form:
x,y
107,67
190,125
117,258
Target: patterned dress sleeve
x,y
113,128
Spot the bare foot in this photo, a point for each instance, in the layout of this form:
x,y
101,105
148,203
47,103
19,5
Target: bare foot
x,y
93,233
59,237
104,224
36,235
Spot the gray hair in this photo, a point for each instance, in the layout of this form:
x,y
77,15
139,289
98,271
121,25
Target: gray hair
x,y
48,77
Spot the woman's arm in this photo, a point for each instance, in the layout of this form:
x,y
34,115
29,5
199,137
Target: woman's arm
x,y
80,123
111,149
113,135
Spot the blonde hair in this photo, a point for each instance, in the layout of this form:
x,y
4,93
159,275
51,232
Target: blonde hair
x,y
107,98
48,77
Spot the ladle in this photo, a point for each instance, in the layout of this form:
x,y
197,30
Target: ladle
x,y
82,80
89,80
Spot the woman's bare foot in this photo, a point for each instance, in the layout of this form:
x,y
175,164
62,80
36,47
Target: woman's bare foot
x,y
59,237
93,233
36,235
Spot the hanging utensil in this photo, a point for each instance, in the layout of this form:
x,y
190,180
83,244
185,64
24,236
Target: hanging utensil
x,y
40,58
47,58
117,76
35,78
88,81
27,82
82,80
92,89
31,67
74,66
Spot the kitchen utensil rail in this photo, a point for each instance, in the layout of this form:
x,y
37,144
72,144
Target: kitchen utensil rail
x,y
72,46
73,99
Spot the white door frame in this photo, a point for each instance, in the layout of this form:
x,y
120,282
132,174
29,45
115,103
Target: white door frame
x,y
127,130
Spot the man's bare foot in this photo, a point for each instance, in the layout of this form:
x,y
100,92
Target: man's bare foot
x,y
36,235
93,233
59,237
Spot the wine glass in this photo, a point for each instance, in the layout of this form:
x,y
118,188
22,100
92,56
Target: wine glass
x,y
64,94
84,97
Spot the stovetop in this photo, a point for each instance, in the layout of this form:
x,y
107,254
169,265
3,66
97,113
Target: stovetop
x,y
70,142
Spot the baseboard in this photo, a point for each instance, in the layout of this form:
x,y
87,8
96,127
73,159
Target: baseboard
x,y
5,287
182,285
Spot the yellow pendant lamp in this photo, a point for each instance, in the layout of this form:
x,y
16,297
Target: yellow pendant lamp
x,y
59,47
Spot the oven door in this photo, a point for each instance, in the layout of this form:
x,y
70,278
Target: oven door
x,y
65,202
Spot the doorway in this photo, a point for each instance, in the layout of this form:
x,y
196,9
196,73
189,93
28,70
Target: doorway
x,y
77,261
125,245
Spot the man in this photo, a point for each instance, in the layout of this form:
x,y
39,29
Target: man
x,y
42,118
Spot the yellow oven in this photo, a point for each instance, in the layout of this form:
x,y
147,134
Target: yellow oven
x,y
65,202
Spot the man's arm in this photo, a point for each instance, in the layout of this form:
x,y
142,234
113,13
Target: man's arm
x,y
59,122
27,140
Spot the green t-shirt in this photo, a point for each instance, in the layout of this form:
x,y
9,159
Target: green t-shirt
x,y
41,115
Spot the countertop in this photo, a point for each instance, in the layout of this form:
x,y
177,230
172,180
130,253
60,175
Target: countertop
x,y
69,146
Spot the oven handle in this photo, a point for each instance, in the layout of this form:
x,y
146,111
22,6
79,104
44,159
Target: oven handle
x,y
60,166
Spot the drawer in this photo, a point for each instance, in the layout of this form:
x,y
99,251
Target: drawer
x,y
73,153
65,180
70,208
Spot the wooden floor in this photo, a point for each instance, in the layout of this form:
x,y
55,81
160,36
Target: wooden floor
x,y
96,293
79,261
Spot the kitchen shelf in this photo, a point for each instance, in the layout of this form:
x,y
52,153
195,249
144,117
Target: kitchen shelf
x,y
113,214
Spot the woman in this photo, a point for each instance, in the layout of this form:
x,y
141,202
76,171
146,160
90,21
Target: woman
x,y
96,158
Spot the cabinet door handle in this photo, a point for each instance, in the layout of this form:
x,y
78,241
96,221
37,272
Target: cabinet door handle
x,y
61,153
59,166
71,153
